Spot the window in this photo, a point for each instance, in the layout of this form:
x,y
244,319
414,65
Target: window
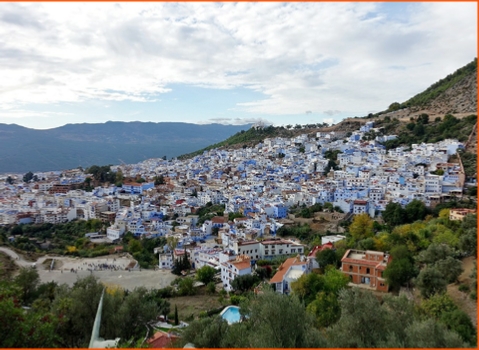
x,y
367,271
293,250
256,250
363,280
350,268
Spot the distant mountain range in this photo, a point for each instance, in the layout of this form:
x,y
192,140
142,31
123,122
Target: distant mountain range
x,y
74,145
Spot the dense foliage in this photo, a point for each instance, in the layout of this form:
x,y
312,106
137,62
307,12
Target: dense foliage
x,y
367,322
62,316
423,98
417,132
69,239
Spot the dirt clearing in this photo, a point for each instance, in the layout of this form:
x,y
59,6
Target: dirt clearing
x,y
462,300
190,306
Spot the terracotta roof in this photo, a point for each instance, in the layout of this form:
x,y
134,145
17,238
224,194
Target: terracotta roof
x,y
131,184
319,248
241,265
161,340
218,220
240,244
283,269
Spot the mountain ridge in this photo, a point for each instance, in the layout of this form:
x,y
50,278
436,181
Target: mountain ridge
x,y
85,144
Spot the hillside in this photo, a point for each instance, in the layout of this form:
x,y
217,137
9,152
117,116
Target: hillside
x,y
76,145
455,94
254,136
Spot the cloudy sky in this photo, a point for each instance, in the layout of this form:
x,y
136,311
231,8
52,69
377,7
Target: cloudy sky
x,y
284,63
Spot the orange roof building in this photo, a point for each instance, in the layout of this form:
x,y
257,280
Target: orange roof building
x,y
231,269
161,340
289,271
365,268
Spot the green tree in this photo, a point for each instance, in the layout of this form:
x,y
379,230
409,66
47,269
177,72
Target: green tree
x,y
450,268
244,283
418,129
307,286
401,269
433,253
28,280
177,322
459,322
393,214
134,246
362,319
423,118
430,281
334,280
26,329
28,177
415,210
325,308
361,227
10,180
159,180
211,288
327,257
77,307
394,106
206,332
205,274
430,334
438,304
186,286
269,316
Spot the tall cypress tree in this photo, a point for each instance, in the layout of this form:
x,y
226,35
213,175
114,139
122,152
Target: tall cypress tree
x,y
177,322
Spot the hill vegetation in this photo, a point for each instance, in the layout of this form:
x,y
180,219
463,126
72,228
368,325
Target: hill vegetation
x,y
454,94
435,90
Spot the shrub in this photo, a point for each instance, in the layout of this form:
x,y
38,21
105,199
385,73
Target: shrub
x,y
211,288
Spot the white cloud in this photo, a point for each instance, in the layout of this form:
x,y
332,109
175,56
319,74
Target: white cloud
x,y
351,57
235,121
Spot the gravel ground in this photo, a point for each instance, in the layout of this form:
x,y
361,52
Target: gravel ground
x,y
61,272
123,278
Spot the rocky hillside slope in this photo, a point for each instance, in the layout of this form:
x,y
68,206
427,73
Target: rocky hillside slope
x,y
455,94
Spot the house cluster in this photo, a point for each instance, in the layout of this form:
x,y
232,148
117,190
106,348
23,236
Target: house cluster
x,y
259,184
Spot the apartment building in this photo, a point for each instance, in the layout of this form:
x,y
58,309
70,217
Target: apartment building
x,y
365,268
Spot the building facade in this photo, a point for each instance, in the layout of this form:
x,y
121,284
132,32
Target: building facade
x,y
365,268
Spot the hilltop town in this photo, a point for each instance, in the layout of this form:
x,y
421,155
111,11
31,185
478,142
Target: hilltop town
x,y
258,184
246,216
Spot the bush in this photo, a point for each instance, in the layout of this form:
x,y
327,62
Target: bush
x,y
464,288
167,292
211,288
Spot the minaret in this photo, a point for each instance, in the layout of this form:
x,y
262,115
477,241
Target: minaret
x,y
95,341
